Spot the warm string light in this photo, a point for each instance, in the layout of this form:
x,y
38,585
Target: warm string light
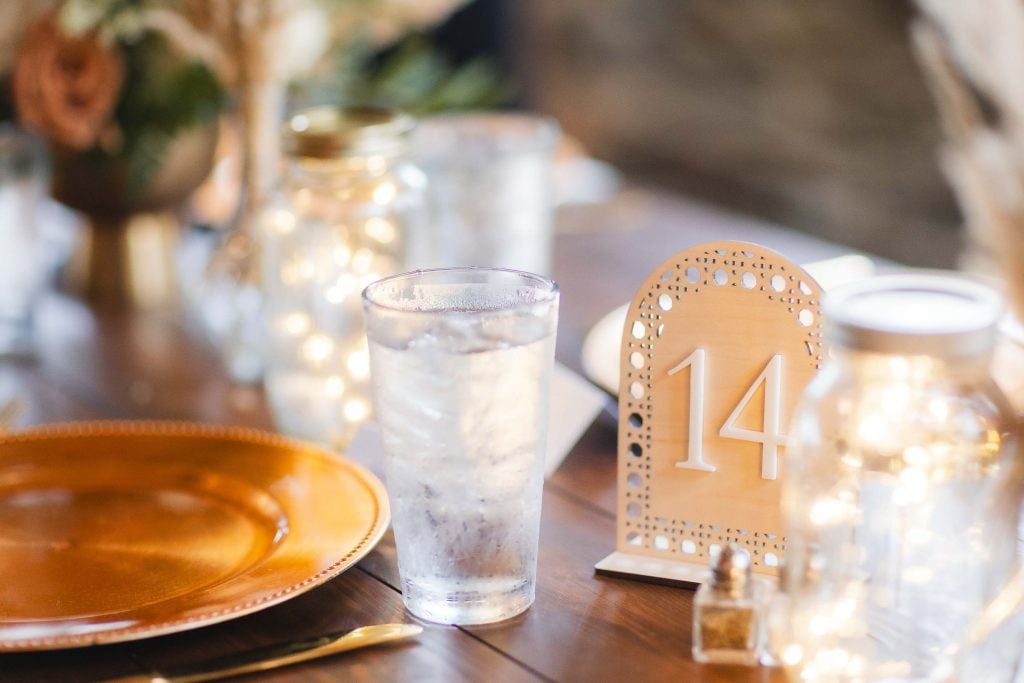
x,y
385,193
337,223
912,471
896,521
341,254
280,221
380,229
338,369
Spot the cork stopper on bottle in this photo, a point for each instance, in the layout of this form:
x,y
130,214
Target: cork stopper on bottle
x,y
730,571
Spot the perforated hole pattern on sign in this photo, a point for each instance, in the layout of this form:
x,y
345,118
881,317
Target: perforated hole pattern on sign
x,y
695,270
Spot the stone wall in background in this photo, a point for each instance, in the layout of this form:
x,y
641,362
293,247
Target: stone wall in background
x,y
812,113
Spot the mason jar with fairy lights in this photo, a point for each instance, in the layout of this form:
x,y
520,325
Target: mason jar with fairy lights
x,y
344,215
900,507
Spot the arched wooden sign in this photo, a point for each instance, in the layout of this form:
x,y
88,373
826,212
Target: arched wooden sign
x,y
718,345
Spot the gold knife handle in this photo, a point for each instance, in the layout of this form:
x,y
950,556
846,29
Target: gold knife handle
x,y
264,659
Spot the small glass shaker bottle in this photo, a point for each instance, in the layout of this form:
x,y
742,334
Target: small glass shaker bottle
x,y
727,612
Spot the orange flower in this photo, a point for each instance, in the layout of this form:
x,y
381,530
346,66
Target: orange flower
x,y
65,87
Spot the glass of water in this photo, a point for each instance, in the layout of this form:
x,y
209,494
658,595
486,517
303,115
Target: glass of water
x,y
460,362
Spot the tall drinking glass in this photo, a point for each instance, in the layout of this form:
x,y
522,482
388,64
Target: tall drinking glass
x,y
460,361
490,194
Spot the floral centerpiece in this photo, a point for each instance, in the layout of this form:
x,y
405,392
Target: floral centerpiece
x,y
128,93
111,92
114,82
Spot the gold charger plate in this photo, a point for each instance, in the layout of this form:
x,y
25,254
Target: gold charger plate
x,y
114,531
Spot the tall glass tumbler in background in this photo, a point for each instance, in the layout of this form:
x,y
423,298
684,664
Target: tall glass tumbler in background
x,y
491,193
24,179
460,361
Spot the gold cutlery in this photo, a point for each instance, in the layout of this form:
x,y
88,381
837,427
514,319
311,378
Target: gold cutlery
x,y
266,658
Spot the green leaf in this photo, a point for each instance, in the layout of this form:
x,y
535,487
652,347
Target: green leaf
x,y
162,96
416,77
475,85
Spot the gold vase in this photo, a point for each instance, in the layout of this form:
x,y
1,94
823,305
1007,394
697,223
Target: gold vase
x,y
128,253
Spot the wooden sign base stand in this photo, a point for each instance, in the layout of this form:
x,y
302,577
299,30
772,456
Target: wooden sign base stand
x,y
652,570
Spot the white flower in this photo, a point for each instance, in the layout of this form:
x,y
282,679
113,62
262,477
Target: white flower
x,y
295,45
81,16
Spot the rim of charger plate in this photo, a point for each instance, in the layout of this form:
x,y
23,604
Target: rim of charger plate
x,y
550,293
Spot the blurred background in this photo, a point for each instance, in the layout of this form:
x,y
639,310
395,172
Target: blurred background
x,y
811,114
193,173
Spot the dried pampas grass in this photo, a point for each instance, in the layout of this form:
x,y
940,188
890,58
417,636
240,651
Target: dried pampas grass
x,y
973,55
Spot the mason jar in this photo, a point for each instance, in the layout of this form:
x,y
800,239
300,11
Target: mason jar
x,y
899,506
344,215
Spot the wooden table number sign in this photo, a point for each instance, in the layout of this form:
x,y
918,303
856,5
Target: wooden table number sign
x,y
717,347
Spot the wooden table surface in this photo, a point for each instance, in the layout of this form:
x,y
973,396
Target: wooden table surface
x,y
99,364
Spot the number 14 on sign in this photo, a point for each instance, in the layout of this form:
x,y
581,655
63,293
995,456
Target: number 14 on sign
x,y
770,438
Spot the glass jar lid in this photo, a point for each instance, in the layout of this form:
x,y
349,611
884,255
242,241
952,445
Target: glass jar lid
x,y
933,314
329,132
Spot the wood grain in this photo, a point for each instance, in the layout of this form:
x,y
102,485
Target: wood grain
x,y
355,598
102,364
